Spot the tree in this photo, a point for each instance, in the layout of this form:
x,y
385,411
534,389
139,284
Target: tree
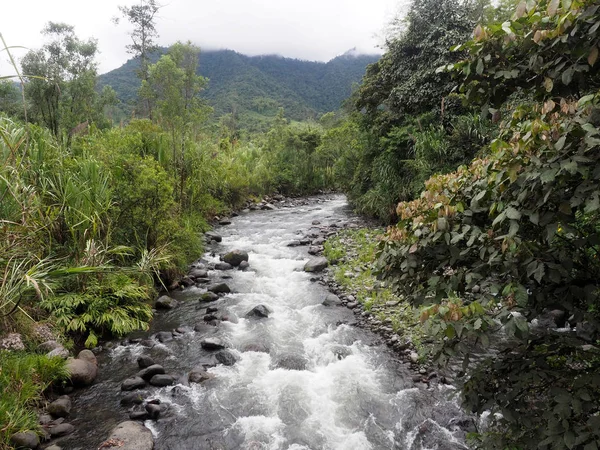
x,y
174,87
61,78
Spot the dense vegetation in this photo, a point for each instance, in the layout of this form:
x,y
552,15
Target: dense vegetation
x,y
250,90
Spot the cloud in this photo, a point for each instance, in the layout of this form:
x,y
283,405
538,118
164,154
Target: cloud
x,y
309,29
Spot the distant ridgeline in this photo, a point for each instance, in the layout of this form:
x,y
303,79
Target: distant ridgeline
x,y
254,88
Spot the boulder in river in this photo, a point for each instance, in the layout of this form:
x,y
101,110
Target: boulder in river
x,y
165,302
162,380
235,257
25,439
83,370
150,371
212,236
226,358
62,429
223,266
199,375
331,300
61,407
244,265
130,436
290,361
145,361
220,288
259,312
133,398
208,297
212,344
133,383
198,273
316,264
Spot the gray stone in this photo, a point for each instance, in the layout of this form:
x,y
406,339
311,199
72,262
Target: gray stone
x,y
291,361
164,336
224,222
220,288
351,305
314,250
212,344
244,265
25,439
165,302
235,257
212,236
61,430
61,407
586,331
268,207
153,410
139,415
84,369
259,311
198,273
414,357
208,297
59,352
331,300
133,398
316,264
226,358
204,328
133,383
199,375
145,361
48,346
149,372
162,380
223,266
131,436
294,244
54,447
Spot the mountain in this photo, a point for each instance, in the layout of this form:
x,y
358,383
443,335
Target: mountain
x,y
255,87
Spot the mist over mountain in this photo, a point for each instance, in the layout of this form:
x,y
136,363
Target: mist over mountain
x,y
255,87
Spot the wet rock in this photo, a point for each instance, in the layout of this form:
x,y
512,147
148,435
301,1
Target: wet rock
x,y
267,207
198,273
235,257
331,300
210,318
258,312
341,351
226,358
153,411
133,398
316,264
318,241
54,447
208,297
212,236
290,361
133,383
187,282
61,407
144,361
223,266
131,436
162,380
84,369
314,250
352,305
139,415
164,336
244,265
199,375
165,302
204,328
220,288
586,331
59,352
212,344
414,357
202,280
212,309
256,347
316,222
150,371
61,430
294,244
45,419
224,222
25,439
558,316
147,343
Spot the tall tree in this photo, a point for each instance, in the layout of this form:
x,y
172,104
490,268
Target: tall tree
x,y
62,78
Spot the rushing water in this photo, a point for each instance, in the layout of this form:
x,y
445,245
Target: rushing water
x,y
352,394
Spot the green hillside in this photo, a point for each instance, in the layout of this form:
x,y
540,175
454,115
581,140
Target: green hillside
x,y
254,88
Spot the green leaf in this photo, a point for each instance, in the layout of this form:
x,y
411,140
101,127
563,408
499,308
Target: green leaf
x,y
513,213
553,7
507,29
480,67
569,439
567,76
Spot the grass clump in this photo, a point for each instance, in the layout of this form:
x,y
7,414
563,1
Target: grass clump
x,y
24,377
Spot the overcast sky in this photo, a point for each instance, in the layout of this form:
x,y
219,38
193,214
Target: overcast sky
x,y
307,29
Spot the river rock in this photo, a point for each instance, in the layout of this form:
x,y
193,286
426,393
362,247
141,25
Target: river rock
x,y
331,300
131,436
259,312
153,410
220,288
150,371
208,297
212,236
133,383
244,265
54,447
165,302
294,244
133,398
59,352
235,257
199,375
61,429
224,222
223,266
212,344
139,415
586,331
203,328
25,439
61,407
164,336
414,357
162,380
316,264
198,273
291,361
226,358
314,250
145,361
84,369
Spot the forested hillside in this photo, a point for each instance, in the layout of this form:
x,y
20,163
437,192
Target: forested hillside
x,y
254,88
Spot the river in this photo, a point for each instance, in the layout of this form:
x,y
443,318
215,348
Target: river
x,y
352,393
